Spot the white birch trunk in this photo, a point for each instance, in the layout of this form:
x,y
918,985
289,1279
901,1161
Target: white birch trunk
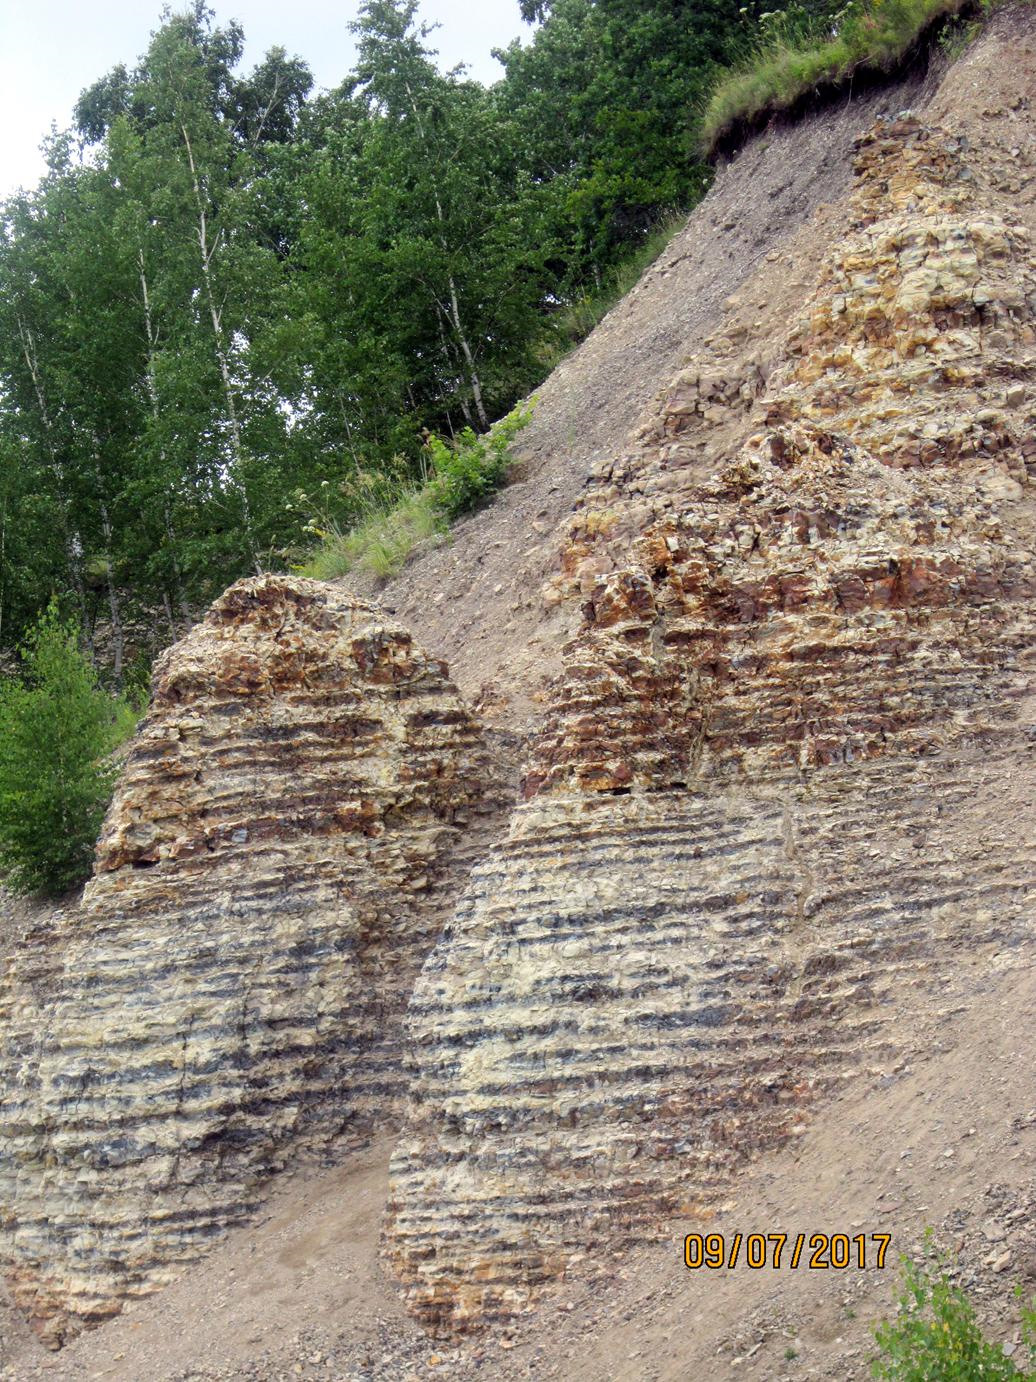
x,y
207,251
152,388
474,383
72,544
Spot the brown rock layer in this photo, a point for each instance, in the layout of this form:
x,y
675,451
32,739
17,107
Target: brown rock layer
x,y
267,884
807,624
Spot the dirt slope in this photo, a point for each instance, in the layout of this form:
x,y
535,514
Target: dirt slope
x,y
751,245
477,601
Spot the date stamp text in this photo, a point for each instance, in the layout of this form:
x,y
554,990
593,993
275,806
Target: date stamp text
x,y
814,1251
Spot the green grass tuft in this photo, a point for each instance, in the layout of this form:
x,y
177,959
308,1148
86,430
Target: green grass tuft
x,y
392,519
380,543
796,57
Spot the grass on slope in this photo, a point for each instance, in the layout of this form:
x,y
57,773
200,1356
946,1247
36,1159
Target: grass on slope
x,y
380,542
394,518
797,57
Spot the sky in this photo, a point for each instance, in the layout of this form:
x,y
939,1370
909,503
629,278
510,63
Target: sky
x,y
51,49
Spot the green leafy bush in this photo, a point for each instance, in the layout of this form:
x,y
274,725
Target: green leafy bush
x,y
797,53
57,730
391,518
467,470
935,1336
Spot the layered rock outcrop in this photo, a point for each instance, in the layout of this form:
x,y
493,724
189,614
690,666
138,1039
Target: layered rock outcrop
x,y
808,591
745,833
268,881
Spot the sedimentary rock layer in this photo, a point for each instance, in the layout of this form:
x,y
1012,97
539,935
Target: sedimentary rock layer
x,y
642,992
808,591
266,886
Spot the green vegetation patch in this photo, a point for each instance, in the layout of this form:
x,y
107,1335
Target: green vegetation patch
x,y
393,519
378,542
798,55
58,731
935,1336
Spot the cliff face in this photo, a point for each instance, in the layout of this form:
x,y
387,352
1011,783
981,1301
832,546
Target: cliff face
x,y
792,617
745,828
830,590
268,881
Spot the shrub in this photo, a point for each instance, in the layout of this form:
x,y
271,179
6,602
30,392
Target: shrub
x,y
470,468
57,728
935,1336
958,36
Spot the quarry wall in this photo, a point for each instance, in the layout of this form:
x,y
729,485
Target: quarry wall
x,y
759,639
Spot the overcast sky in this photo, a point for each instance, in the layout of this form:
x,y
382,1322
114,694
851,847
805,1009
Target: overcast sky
x,y
51,49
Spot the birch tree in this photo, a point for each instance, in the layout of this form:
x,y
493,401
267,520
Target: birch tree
x,y
422,261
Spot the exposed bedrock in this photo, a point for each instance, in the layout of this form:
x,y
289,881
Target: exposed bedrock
x,y
747,833
267,884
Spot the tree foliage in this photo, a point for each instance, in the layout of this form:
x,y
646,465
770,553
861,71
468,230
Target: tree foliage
x,y
225,292
607,94
57,727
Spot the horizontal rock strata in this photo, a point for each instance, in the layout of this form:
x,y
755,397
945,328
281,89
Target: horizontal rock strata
x,y
642,992
267,884
807,628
